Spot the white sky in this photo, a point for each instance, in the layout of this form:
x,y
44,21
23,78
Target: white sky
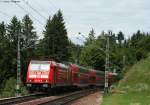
x,y
82,15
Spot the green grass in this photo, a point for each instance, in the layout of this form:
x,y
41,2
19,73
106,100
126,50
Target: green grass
x,y
134,88
129,98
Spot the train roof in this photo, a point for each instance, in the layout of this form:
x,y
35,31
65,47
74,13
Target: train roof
x,y
38,61
84,69
65,65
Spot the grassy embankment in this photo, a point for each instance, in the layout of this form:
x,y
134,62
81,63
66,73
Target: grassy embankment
x,y
134,88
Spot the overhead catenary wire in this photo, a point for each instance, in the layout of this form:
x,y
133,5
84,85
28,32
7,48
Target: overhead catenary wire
x,y
42,7
52,5
34,9
5,14
10,1
29,14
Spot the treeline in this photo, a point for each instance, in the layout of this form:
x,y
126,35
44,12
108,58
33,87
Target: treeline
x,y
123,52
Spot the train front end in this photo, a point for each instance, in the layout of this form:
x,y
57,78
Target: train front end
x,y
38,75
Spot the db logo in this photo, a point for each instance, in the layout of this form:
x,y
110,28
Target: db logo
x,y
38,76
38,73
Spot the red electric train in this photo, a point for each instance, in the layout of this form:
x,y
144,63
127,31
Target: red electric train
x,y
45,75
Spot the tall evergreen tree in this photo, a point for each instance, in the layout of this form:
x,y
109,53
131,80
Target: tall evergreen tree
x,y
91,37
28,42
3,54
55,38
29,36
120,38
136,37
2,31
13,30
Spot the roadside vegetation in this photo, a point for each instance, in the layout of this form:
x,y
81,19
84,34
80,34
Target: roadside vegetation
x,y
9,89
134,88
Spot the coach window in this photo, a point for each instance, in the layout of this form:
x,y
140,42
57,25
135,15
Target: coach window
x,y
75,75
92,78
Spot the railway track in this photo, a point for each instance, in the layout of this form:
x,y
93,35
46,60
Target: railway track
x,y
42,99
65,100
15,100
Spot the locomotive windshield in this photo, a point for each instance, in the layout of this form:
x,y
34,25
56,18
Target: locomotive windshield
x,y
39,65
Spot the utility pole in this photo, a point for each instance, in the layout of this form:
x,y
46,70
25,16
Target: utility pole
x,y
124,61
78,48
18,84
78,53
107,63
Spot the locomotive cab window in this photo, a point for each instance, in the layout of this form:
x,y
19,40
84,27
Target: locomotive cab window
x,y
35,66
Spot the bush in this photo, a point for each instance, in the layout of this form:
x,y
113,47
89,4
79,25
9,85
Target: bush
x,y
9,89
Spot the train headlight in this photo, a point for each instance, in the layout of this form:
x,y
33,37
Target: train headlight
x,y
45,81
29,85
45,85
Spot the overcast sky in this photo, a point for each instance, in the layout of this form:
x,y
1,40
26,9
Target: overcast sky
x,y
82,15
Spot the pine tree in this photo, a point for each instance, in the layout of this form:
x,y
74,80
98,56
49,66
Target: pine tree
x,y
136,37
120,38
3,38
28,43
2,31
13,30
55,38
3,48
91,37
29,36
48,41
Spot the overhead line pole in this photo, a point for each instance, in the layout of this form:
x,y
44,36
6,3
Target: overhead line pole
x,y
18,86
107,62
124,62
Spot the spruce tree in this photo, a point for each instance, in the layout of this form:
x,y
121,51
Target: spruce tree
x,y
29,36
55,38
91,37
13,30
120,38
3,54
28,43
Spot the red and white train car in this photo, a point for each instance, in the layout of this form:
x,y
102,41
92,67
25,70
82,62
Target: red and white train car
x,y
46,74
43,75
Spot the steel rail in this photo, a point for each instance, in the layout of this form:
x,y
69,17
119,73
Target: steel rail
x,y
15,100
69,98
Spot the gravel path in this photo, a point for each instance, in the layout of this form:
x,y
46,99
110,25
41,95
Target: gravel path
x,y
92,99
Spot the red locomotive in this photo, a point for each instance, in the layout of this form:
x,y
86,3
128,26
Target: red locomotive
x,y
44,75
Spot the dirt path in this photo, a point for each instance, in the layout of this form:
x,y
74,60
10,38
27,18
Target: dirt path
x,y
93,99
